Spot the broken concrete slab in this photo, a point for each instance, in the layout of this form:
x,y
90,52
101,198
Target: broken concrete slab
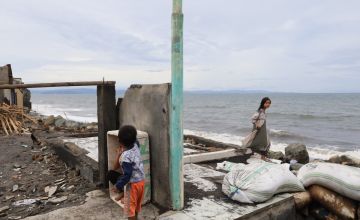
x,y
58,200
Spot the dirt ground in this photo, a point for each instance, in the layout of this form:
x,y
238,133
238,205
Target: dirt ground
x,y
26,169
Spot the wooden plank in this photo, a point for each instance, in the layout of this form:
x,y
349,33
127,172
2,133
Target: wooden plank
x,y
176,113
106,122
56,84
217,155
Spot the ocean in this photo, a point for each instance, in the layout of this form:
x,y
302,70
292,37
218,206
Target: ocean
x,y
327,124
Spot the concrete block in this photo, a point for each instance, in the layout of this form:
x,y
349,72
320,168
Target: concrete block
x,y
147,108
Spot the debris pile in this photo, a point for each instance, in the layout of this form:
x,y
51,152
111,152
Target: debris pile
x,y
13,119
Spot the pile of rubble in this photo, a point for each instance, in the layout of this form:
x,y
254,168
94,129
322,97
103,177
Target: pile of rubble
x,y
13,119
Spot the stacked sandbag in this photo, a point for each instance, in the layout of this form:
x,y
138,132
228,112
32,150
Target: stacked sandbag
x,y
334,189
259,181
342,179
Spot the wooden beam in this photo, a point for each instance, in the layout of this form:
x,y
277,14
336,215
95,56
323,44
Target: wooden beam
x,y
56,84
106,122
211,156
176,112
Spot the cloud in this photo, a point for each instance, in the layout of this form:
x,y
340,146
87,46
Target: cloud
x,y
262,45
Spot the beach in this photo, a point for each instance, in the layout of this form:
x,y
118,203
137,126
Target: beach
x,y
328,124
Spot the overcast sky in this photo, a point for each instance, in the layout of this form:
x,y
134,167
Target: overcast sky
x,y
295,46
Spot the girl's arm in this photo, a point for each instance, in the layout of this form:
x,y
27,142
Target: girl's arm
x,y
258,119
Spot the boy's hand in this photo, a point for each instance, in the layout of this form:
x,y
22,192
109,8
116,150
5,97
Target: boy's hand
x,y
114,189
120,150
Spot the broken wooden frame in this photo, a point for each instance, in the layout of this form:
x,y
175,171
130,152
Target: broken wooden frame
x,y
105,113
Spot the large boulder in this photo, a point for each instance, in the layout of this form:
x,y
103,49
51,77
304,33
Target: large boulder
x,y
277,155
59,121
49,120
297,152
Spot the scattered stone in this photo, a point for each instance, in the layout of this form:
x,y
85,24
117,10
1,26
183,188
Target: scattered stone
x,y
45,172
296,166
58,200
14,217
37,157
25,202
43,198
43,148
4,209
17,169
297,152
345,160
9,197
72,124
49,121
16,165
70,187
15,188
295,172
59,122
50,190
25,145
277,155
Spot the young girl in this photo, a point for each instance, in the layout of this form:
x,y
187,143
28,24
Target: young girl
x,y
259,140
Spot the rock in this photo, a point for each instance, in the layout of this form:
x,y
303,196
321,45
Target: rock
x,y
14,217
72,124
295,172
37,157
335,159
70,187
16,165
25,202
58,200
50,190
297,152
4,209
15,188
277,155
296,166
345,160
49,121
92,127
59,121
9,197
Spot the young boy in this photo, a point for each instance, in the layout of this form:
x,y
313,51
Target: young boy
x,y
129,159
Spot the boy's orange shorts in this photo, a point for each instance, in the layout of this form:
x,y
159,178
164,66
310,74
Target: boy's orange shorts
x,y
136,197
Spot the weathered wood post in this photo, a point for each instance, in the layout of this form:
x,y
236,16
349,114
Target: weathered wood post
x,y
106,122
176,116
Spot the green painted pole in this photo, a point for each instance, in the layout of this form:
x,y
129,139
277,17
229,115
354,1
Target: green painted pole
x,y
176,116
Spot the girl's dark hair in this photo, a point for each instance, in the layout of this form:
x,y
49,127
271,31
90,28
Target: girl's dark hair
x,y
127,136
262,103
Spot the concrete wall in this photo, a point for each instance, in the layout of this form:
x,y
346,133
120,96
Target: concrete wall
x,y
147,108
5,78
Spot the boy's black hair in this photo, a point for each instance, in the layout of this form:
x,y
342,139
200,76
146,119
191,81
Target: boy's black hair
x,y
127,136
